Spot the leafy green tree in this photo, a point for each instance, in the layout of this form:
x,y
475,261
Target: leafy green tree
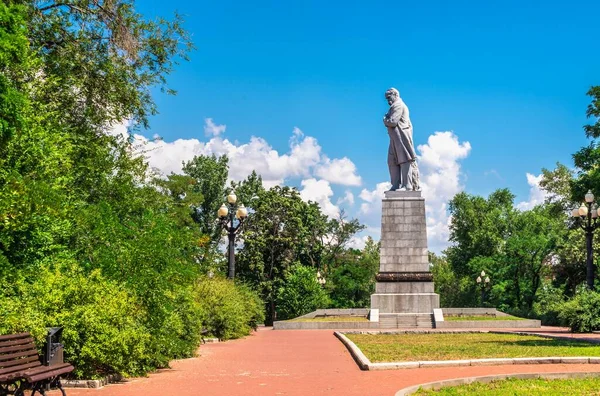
x,y
300,293
271,239
527,256
210,176
569,266
587,158
479,227
282,230
106,57
339,233
352,281
516,248
453,291
71,192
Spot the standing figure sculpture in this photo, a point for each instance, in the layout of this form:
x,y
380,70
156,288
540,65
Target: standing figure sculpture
x,y
402,163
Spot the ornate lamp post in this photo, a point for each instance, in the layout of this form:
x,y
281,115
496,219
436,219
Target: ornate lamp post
x,y
228,213
484,282
587,218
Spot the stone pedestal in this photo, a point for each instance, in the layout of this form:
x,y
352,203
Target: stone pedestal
x,y
404,282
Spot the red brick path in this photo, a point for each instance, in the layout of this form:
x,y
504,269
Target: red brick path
x,y
291,362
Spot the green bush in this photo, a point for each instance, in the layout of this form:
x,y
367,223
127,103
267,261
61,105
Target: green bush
x,y
101,320
300,293
582,312
228,310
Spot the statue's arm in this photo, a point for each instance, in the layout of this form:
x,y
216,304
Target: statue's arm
x,y
392,118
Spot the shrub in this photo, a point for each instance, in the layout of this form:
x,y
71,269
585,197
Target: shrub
x,y
228,310
582,312
101,320
300,293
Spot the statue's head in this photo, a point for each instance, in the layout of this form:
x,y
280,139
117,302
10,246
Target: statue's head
x,y
392,95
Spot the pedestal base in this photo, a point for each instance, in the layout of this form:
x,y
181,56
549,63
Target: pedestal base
x,y
405,302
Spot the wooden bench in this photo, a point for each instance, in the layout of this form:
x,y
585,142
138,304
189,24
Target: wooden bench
x,y
20,367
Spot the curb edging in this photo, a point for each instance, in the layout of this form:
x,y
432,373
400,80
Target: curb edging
x,y
95,384
359,357
365,364
489,378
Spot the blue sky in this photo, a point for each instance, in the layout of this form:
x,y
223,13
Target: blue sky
x,y
510,79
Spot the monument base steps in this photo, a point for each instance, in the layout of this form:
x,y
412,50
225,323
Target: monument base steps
x,y
401,321
397,303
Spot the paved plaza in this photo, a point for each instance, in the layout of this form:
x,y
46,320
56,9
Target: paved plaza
x,y
295,362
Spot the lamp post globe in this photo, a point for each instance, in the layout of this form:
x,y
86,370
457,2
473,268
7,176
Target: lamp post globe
x,y
589,197
242,212
483,281
222,212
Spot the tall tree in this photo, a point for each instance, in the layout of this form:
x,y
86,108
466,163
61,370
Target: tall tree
x,y
271,241
479,227
587,158
210,177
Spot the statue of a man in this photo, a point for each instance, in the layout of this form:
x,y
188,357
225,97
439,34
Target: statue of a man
x,y
402,163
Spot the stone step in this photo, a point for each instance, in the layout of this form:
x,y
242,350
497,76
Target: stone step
x,y
388,322
406,321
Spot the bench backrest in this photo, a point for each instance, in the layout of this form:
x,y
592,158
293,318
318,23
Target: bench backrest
x,y
17,353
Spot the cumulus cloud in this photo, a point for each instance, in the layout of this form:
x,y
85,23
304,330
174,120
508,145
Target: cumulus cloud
x,y
304,159
373,198
439,162
537,195
339,171
358,242
348,198
319,191
212,129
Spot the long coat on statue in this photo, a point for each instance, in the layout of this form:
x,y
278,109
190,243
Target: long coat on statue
x,y
400,129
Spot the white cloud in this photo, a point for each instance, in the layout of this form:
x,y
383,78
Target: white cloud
x,y
358,242
439,163
347,198
212,129
304,159
120,130
319,191
537,195
339,171
373,198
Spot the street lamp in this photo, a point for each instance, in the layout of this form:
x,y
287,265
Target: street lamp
x,y
228,213
587,218
320,279
484,282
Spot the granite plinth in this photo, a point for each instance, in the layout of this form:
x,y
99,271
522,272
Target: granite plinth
x,y
402,283
399,303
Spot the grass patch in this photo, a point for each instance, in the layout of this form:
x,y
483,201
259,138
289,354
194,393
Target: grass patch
x,y
523,387
331,319
460,346
479,317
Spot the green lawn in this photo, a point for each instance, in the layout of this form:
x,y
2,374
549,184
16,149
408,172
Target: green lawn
x,y
332,319
518,387
479,317
460,346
